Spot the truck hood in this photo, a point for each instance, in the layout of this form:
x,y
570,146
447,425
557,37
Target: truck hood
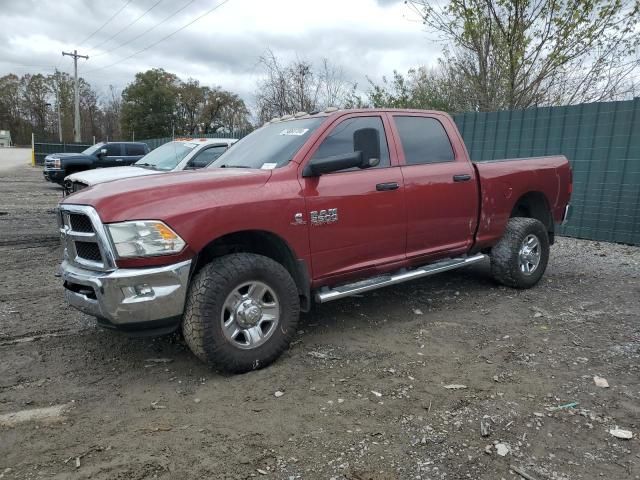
x,y
171,195
99,175
68,155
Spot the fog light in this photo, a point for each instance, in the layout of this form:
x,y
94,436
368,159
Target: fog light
x,y
144,290
138,291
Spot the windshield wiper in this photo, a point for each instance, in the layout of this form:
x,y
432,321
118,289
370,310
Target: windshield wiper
x,y
235,166
144,165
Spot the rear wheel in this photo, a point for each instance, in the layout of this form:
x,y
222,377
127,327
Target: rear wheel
x,y
520,258
241,312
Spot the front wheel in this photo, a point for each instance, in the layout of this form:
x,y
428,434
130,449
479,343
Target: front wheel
x,y
520,258
241,313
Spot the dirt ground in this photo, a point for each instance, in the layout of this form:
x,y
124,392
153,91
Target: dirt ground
x,y
11,158
365,382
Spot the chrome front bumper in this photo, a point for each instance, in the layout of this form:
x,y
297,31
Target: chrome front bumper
x,y
125,297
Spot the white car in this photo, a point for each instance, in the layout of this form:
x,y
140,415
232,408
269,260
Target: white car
x,y
180,154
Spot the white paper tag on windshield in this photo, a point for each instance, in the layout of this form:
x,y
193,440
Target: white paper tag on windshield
x,y
190,145
294,131
268,166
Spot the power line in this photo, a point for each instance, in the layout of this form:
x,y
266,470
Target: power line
x,y
123,29
170,16
162,39
106,23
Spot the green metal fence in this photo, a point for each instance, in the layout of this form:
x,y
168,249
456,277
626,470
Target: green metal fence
x,y
602,142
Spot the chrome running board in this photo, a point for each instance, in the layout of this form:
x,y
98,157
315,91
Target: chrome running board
x,y
328,294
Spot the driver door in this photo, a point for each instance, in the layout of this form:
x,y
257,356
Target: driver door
x,y
357,217
114,156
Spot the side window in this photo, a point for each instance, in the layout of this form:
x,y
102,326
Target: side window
x,y
424,140
114,149
205,157
134,149
340,140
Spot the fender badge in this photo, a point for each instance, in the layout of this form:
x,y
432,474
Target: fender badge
x,y
298,219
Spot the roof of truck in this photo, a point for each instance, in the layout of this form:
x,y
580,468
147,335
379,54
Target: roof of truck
x,y
334,110
205,140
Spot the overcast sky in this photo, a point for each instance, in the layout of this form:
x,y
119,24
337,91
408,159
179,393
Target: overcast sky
x,y
364,37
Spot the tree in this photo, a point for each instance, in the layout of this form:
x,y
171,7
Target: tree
x,y
149,104
35,95
11,111
299,86
91,115
112,111
223,110
191,97
522,53
421,88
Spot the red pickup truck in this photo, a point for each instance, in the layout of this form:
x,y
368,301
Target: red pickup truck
x,y
311,207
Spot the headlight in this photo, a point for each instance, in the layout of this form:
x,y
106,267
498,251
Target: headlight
x,y
144,238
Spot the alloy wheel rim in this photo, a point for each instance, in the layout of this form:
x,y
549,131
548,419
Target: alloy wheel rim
x,y
250,315
529,254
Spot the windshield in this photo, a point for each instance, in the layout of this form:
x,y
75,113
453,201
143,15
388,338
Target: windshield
x,y
92,149
271,146
167,156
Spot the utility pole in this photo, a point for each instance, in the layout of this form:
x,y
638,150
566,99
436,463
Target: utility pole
x,y
76,116
58,105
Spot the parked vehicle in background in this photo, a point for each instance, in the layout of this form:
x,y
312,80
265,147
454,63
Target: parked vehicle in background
x,y
312,208
180,154
101,155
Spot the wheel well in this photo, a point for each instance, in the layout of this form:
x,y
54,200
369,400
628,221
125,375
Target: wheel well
x,y
535,205
261,243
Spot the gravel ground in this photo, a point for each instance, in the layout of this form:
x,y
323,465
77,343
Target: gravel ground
x,y
11,158
364,385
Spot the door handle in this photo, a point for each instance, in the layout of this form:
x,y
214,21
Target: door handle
x,y
385,187
462,178
119,159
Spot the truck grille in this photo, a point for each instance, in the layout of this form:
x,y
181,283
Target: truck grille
x,y
89,251
80,223
84,238
48,163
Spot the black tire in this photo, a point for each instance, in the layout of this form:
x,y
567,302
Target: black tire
x,y
505,255
202,324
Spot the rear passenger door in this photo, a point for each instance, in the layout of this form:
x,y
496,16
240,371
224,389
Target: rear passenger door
x,y
133,152
440,186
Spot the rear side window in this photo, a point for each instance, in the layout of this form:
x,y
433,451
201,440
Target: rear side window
x,y
134,150
424,140
340,140
113,149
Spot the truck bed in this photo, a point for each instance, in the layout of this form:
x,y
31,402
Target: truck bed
x,y
502,183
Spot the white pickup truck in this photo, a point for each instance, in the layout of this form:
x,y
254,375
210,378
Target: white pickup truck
x,y
180,154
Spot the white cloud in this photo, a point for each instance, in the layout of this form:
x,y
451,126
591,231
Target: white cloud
x,y
365,37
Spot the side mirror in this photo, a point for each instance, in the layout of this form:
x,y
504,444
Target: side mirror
x,y
367,141
197,163
103,152
366,154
